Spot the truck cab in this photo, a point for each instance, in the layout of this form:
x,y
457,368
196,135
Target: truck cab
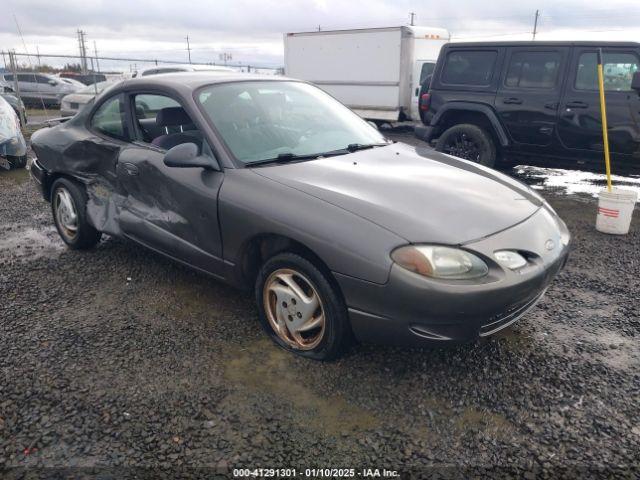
x,y
536,101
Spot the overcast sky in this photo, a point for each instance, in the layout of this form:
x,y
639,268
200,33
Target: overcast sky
x,y
251,30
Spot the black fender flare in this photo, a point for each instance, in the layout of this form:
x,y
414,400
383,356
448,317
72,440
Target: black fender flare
x,y
475,107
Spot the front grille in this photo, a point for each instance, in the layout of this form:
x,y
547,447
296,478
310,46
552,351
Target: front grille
x,y
74,106
498,322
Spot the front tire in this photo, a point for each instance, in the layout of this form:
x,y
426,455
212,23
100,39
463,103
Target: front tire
x,y
300,309
69,208
469,142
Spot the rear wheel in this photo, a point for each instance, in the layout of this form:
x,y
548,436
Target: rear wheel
x,y
68,205
469,142
300,309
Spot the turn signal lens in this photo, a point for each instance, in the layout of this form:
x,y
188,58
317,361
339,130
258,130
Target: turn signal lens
x,y
510,259
440,262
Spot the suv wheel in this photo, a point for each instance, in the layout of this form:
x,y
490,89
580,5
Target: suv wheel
x,y
469,142
300,309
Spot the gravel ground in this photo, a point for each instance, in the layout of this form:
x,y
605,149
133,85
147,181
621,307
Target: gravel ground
x,y
119,359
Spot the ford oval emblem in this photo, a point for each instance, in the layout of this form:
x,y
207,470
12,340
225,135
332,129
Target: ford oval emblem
x,y
549,244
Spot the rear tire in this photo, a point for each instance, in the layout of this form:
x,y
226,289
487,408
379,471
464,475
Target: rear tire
x,y
286,284
69,208
469,142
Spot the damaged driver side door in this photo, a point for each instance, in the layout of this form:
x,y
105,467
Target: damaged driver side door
x,y
171,210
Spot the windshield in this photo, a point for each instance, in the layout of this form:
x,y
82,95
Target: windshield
x,y
259,120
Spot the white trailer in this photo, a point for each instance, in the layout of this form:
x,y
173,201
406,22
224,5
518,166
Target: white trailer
x,y
377,72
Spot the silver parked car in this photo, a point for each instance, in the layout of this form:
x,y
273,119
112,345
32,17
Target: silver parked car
x,y
271,184
38,89
73,102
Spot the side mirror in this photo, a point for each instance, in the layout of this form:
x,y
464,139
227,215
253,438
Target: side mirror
x,y
635,82
186,155
373,124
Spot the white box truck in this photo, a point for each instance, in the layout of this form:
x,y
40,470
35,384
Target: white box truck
x,y
377,72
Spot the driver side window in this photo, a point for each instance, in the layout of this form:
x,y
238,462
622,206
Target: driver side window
x,y
162,122
109,119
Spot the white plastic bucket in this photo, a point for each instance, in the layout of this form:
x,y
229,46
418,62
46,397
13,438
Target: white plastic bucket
x,y
615,209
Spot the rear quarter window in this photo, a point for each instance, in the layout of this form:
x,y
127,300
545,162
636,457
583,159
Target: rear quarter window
x,y
469,67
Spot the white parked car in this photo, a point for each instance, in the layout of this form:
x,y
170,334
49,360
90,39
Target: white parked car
x,y
155,70
72,103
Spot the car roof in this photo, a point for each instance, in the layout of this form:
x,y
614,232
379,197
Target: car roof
x,y
536,43
195,80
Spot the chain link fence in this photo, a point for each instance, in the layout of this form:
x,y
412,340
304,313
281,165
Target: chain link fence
x,y
36,85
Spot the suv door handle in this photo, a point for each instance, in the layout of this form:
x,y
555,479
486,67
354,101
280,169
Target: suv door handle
x,y
577,104
551,105
512,101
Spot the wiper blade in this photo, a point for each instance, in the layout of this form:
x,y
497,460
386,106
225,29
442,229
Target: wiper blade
x,y
292,157
354,147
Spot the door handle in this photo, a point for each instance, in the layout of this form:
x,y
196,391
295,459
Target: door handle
x,y
512,101
551,105
130,168
577,105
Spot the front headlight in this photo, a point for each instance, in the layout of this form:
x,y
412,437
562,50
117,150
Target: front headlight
x,y
440,262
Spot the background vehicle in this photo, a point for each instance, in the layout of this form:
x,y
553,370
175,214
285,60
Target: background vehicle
x,y
179,68
377,72
14,101
38,88
84,78
73,102
535,102
13,148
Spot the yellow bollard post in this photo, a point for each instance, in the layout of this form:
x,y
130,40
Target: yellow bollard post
x,y
603,113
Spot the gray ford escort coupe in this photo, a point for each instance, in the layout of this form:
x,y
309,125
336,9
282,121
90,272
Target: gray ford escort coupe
x,y
270,183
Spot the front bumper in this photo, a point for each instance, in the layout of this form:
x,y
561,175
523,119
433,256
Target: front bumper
x,y
413,310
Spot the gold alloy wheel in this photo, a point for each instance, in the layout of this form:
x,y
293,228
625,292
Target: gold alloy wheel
x,y
66,213
294,309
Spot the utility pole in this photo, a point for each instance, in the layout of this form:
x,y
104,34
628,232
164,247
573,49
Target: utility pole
x,y
189,48
535,24
319,28
83,50
225,57
38,52
412,15
95,52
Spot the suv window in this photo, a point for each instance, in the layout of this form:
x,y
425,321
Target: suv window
x,y
533,70
109,119
9,78
427,69
618,68
469,67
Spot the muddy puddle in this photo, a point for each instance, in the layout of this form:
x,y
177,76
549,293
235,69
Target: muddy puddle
x,y
29,243
572,182
264,369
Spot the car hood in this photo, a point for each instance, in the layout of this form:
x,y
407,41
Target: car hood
x,y
78,97
418,194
